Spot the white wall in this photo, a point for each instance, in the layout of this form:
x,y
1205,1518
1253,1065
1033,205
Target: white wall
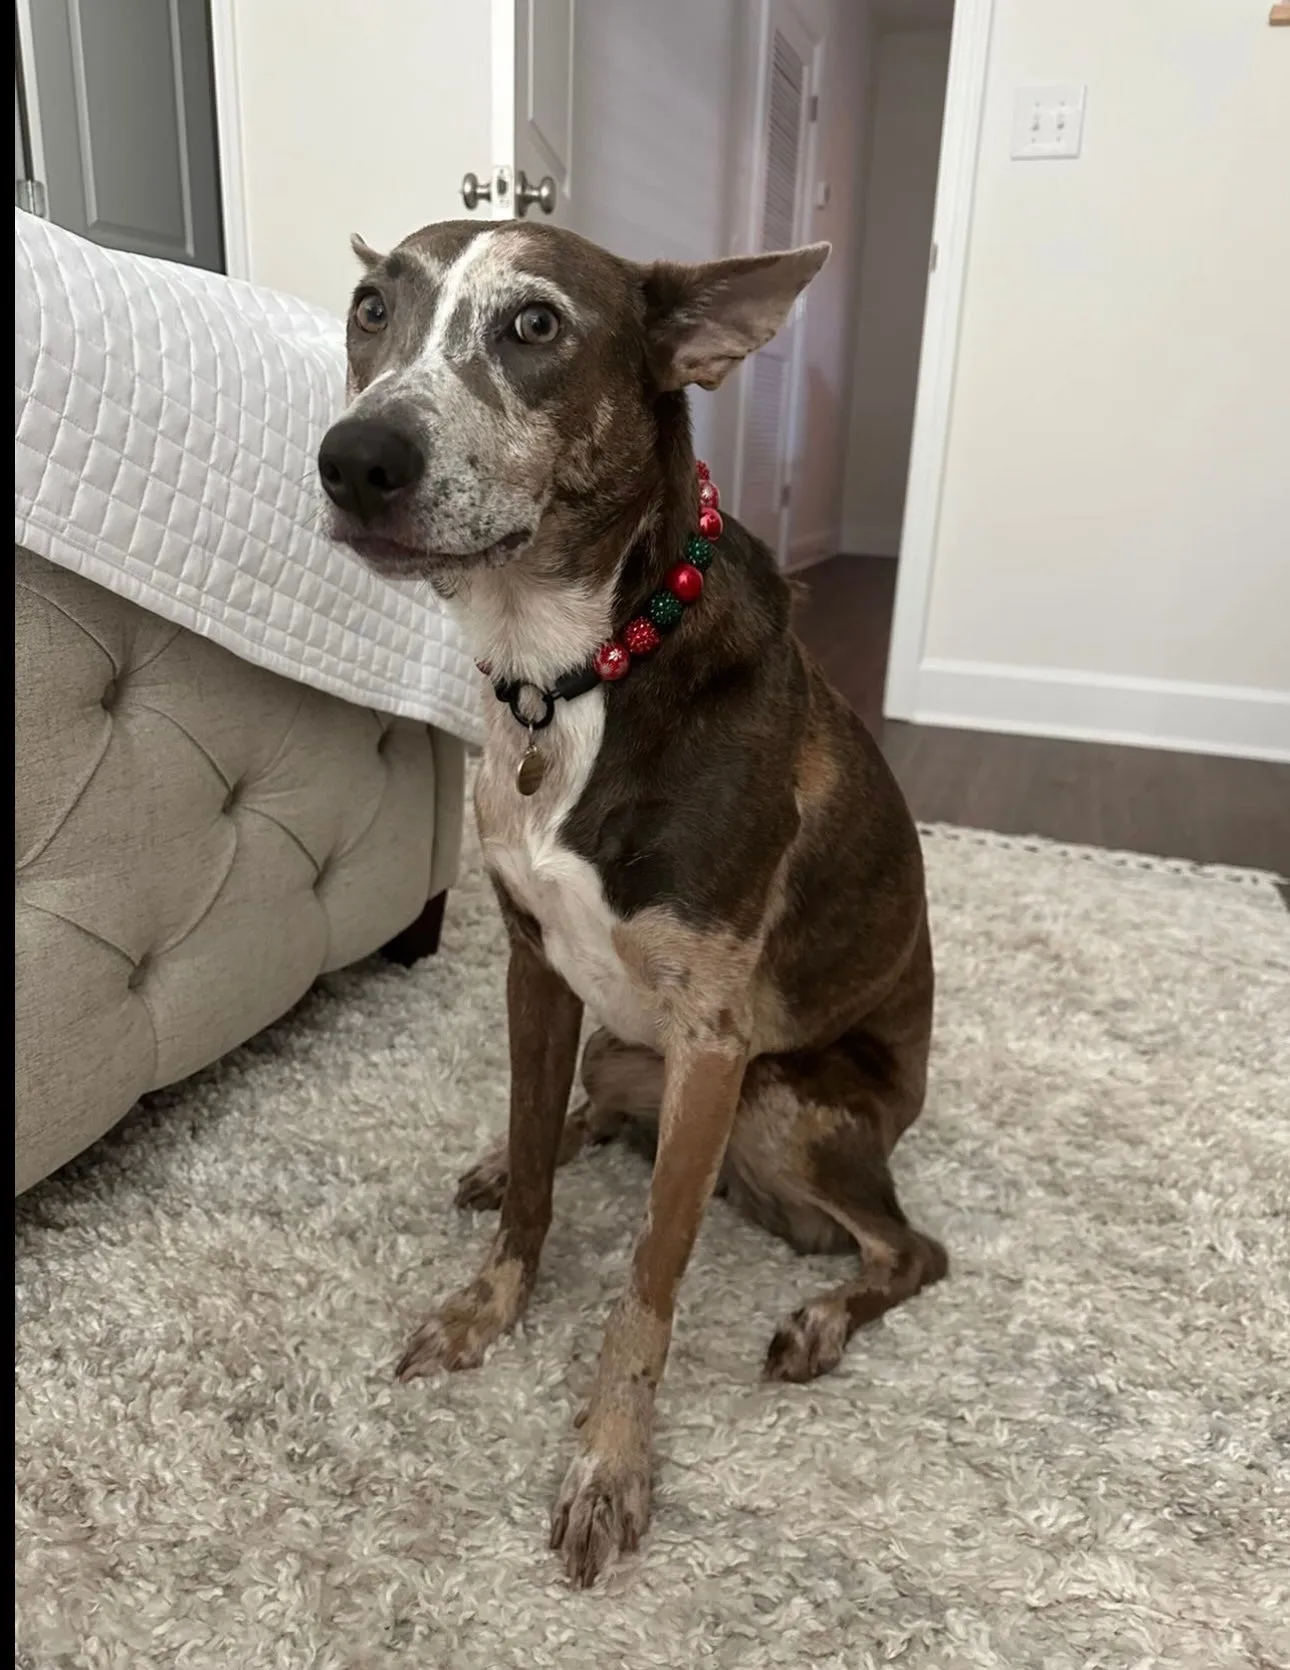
x,y
653,100
900,195
1113,554
660,170
364,121
652,94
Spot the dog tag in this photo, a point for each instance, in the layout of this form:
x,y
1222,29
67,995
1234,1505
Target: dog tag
x,y
531,769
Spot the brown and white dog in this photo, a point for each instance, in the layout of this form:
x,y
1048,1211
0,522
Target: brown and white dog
x,y
709,853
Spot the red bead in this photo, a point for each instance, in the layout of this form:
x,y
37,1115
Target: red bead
x,y
710,524
701,469
685,581
611,661
641,636
709,498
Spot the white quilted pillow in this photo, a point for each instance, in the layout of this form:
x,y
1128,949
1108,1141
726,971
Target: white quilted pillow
x,y
165,425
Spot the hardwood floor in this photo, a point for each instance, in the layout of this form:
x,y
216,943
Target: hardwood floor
x,y
1193,806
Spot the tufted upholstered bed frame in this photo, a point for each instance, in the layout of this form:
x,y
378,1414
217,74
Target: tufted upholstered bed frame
x,y
197,839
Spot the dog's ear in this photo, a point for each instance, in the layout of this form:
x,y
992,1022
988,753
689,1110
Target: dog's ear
x,y
366,254
702,320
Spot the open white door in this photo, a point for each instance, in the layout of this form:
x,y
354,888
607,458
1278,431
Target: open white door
x,y
532,127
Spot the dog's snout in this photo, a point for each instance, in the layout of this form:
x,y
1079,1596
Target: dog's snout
x,y
367,464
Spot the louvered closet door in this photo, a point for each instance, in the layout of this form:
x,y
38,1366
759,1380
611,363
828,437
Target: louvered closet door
x,y
768,384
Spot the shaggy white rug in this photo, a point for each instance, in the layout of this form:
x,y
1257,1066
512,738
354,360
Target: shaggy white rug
x,y
1071,1454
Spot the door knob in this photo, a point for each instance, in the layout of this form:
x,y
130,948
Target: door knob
x,y
543,194
473,193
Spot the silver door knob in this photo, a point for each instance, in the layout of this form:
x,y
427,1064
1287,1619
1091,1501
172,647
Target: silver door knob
x,y
543,194
473,193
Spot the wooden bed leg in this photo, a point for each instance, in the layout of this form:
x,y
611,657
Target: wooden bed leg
x,y
420,938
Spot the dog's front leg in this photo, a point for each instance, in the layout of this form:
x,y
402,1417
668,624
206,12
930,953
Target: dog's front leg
x,y
544,1017
603,1505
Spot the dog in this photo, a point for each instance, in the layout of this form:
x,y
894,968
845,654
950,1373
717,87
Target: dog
x,y
692,838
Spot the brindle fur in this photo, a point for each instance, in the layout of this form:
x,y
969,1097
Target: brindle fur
x,y
718,855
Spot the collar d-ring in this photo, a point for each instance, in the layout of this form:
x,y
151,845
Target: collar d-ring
x,y
512,700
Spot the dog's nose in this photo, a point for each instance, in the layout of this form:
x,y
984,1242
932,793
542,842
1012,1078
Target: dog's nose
x,y
366,465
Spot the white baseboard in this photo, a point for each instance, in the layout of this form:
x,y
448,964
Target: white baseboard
x,y
871,539
1097,707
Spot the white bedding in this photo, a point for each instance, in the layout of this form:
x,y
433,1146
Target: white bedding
x,y
165,425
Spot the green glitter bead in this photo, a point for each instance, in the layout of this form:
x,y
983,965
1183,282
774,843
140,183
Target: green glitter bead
x,y
664,610
699,552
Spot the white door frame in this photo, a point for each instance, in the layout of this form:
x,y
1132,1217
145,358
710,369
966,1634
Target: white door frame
x,y
808,171
751,92
228,139
753,101
26,68
952,220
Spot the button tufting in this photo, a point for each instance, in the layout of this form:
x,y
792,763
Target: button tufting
x,y
383,741
231,798
108,698
139,973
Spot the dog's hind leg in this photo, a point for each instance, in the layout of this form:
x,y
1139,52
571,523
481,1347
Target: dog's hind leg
x,y
481,1188
896,1262
622,1083
815,1172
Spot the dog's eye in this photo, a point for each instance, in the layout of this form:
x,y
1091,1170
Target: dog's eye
x,y
537,325
370,314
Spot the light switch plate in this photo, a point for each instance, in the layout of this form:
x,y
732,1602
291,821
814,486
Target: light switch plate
x,y
1048,122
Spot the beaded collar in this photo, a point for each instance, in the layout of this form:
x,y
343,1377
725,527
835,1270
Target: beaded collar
x,y
643,633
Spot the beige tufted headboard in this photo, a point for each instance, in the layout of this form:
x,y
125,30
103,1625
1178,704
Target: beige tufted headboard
x,y
196,840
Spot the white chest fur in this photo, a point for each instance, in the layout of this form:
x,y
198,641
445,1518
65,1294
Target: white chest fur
x,y
520,836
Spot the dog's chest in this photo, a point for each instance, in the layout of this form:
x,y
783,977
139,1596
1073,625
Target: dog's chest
x,y
558,888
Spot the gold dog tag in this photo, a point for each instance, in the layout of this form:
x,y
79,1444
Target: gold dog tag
x,y
531,769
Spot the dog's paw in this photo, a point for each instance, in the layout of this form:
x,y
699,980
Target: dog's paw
x,y
458,1334
808,1343
481,1188
602,1511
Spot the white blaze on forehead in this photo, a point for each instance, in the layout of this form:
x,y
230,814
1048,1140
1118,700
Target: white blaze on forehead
x,y
475,277
486,279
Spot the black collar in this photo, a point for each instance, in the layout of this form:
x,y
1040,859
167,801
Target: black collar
x,y
566,687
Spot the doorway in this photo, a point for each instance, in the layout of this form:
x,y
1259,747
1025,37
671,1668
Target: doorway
x,y
906,106
765,122
850,598
838,458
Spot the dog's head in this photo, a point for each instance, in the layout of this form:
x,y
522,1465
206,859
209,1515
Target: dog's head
x,y
505,386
